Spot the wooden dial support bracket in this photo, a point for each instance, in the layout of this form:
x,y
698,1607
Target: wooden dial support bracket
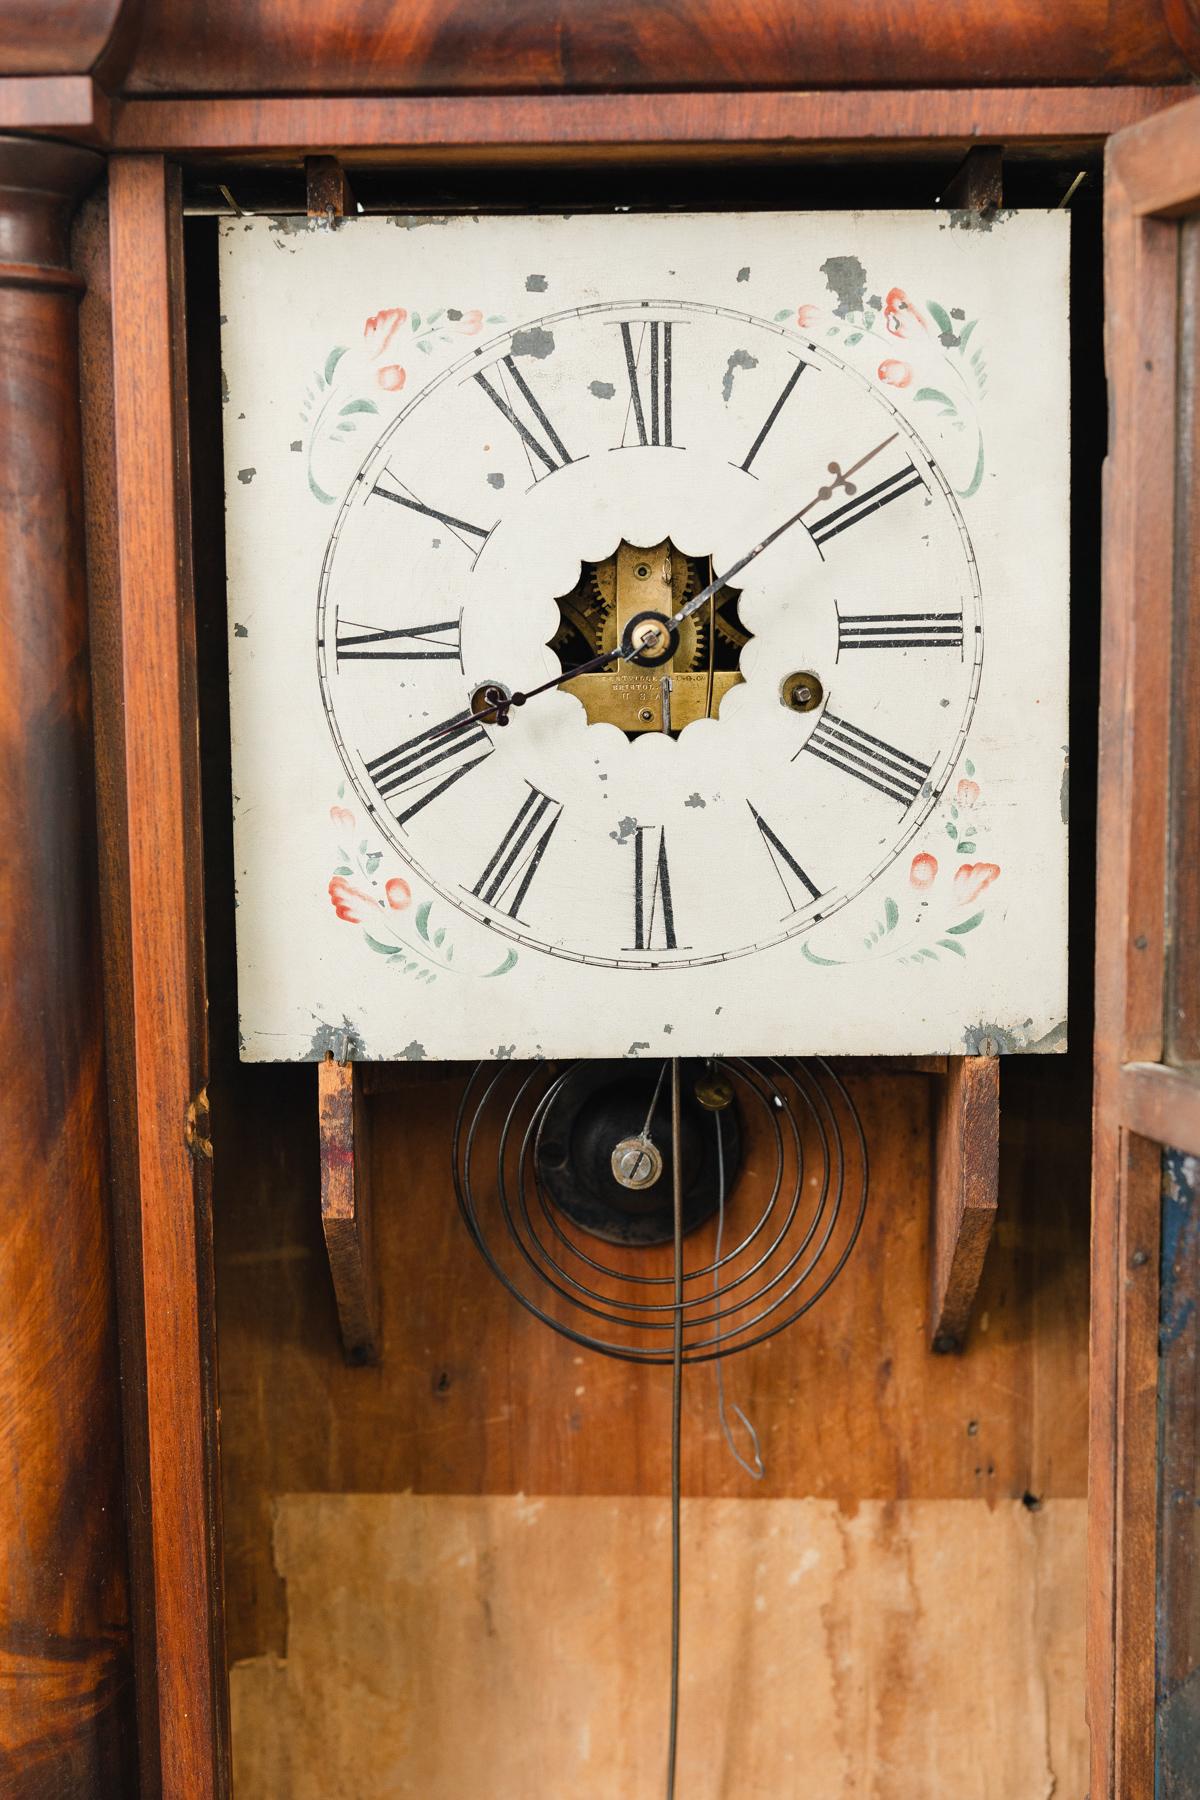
x,y
346,1206
965,1193
329,196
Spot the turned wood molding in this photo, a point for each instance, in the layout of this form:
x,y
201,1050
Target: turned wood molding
x,y
65,1688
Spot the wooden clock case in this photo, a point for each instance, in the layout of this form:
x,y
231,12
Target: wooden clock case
x,y
131,1129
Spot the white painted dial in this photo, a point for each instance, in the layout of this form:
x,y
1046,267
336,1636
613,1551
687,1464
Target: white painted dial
x,y
633,423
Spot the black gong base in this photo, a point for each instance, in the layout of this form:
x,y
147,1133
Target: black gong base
x,y
604,1105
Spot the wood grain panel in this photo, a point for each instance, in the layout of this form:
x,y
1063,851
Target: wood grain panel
x,y
162,1015
516,1648
231,46
671,125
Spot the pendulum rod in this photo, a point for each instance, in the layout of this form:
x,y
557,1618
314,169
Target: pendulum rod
x,y
676,1419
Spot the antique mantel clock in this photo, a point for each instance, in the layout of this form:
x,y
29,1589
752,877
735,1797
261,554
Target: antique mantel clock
x,y
649,633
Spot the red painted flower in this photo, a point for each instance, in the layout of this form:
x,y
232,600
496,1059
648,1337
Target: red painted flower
x,y
381,328
924,870
399,894
807,317
392,377
902,317
968,792
970,879
342,817
470,322
350,903
896,373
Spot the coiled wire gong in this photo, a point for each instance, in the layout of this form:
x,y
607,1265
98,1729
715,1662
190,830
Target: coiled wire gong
x,y
764,1254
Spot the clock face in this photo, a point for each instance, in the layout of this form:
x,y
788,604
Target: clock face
x,y
560,480
608,602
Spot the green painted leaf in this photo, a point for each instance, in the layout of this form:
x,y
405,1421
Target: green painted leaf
x,y
949,944
343,869
332,360
967,924
952,831
964,334
942,317
383,949
969,766
439,937
373,861
341,790
964,848
972,486
785,314
936,395
954,812
833,331
510,962
425,345
318,493
415,321
891,913
854,338
868,320
826,962
930,954
359,406
421,919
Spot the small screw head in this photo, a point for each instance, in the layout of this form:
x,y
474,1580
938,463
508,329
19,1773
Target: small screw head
x,y
801,692
645,715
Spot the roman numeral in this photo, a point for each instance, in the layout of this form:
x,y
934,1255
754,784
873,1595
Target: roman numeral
x,y
658,331
784,863
412,643
900,631
548,447
506,880
864,504
429,763
461,529
774,413
869,759
653,912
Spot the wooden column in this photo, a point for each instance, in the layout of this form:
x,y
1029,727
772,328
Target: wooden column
x,y
65,1692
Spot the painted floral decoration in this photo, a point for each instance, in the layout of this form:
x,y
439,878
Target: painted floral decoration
x,y
335,401
409,936
929,349
932,927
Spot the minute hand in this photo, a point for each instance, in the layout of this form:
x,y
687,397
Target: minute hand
x,y
822,494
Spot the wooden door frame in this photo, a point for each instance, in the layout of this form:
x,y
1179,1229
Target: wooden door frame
x,y
147,718
1141,1103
